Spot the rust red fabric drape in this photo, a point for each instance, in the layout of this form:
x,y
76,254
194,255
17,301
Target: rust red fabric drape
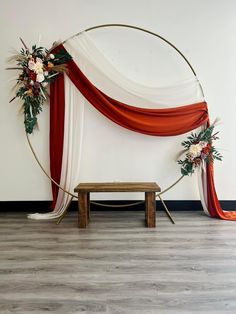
x,y
57,113
214,206
156,122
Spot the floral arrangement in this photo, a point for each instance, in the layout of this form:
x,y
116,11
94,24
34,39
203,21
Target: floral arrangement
x,y
199,148
38,69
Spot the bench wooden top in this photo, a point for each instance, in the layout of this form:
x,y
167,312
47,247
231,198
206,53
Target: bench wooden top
x,y
118,187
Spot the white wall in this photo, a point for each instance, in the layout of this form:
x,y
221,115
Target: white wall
x,y
204,30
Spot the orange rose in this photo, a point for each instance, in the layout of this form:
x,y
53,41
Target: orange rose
x,y
50,65
29,92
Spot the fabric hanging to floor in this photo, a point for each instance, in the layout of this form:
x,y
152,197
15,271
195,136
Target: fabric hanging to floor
x,y
157,122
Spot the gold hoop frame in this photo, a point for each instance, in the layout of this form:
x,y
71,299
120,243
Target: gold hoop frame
x,y
192,70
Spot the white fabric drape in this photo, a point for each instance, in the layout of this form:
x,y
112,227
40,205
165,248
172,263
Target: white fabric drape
x,y
72,148
202,186
73,139
107,77
110,80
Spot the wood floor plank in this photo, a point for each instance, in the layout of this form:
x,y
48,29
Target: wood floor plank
x,y
117,265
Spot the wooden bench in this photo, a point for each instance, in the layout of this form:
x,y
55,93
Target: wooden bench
x,y
84,190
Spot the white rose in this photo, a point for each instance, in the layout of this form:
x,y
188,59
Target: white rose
x,y
195,150
52,56
40,77
31,65
31,82
38,68
45,73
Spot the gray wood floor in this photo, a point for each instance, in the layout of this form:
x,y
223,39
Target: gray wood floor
x,y
117,265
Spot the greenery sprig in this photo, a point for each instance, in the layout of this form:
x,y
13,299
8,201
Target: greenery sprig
x,y
39,68
199,148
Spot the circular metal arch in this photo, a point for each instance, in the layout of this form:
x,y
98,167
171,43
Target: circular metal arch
x,y
148,32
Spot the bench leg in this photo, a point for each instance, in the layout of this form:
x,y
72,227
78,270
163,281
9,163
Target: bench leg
x,y
83,210
88,206
150,210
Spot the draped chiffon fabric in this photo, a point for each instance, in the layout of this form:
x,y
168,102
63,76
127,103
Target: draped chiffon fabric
x,y
105,75
57,113
155,122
